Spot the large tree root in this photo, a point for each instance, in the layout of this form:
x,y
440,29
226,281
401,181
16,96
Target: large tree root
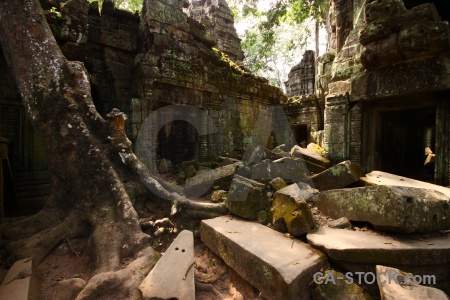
x,y
39,245
121,284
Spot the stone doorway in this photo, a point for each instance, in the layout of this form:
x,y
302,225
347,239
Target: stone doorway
x,y
178,141
396,130
301,134
403,138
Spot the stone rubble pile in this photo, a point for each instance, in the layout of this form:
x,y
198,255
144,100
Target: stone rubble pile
x,y
276,241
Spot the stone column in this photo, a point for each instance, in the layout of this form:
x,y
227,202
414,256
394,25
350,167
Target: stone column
x,y
442,169
336,128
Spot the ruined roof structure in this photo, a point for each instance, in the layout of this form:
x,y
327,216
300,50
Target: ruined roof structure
x,y
216,16
301,77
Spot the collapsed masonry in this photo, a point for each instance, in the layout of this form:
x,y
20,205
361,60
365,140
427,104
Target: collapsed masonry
x,y
143,64
218,21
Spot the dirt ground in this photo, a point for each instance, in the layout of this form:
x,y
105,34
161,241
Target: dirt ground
x,y
214,279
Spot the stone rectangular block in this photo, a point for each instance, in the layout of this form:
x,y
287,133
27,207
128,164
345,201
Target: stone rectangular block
x,y
281,268
204,182
338,176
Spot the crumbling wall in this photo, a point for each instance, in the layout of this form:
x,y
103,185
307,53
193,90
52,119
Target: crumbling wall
x,y
384,57
218,21
164,58
106,43
301,77
303,107
177,65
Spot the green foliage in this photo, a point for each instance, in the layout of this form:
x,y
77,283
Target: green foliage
x,y
130,5
278,33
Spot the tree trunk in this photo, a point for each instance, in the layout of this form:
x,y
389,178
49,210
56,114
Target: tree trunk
x,y
94,171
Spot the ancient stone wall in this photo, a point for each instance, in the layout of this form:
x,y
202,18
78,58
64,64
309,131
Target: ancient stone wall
x,y
381,57
301,78
217,19
181,68
167,59
107,45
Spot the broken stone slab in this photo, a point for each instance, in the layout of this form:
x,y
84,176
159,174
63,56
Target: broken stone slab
x,y
395,284
259,153
279,267
173,275
389,208
383,178
337,177
205,182
333,285
20,282
289,169
247,198
342,223
367,247
314,161
227,161
290,213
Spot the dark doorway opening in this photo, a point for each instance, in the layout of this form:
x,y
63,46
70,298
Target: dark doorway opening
x,y
178,141
301,134
404,136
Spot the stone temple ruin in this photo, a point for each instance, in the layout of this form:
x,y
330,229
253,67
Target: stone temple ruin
x,y
354,134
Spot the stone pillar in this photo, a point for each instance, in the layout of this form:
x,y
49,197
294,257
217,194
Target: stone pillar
x,y
336,128
442,169
355,134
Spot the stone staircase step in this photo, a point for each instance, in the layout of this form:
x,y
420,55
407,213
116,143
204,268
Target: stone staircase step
x,y
279,267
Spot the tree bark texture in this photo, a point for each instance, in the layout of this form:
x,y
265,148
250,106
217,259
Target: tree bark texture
x,y
95,174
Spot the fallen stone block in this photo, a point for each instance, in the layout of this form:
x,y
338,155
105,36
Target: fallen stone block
x,y
277,184
383,178
227,161
259,153
290,212
337,177
398,285
289,169
315,162
205,182
315,147
366,247
247,198
219,196
20,282
361,251
388,208
279,267
333,285
342,223
173,275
